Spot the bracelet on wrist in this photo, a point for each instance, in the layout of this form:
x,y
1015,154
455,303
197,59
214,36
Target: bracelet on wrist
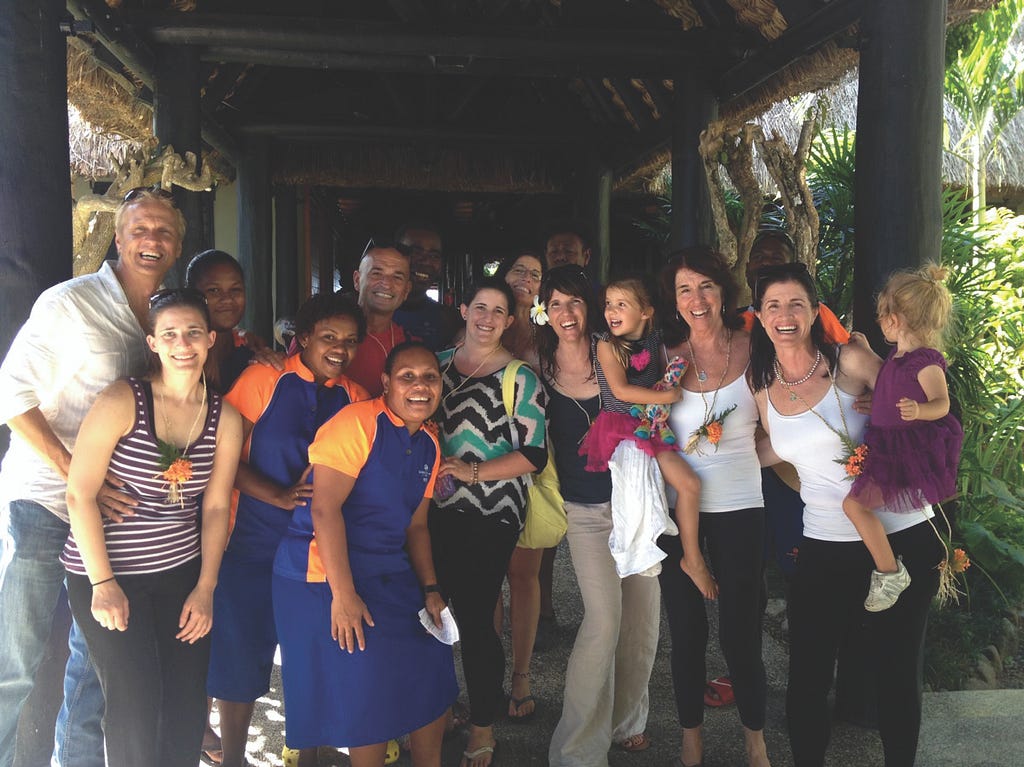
x,y
476,473
431,588
105,580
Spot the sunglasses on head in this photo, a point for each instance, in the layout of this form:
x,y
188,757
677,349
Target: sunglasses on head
x,y
767,275
139,191
168,294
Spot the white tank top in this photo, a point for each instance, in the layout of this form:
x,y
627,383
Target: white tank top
x,y
731,475
811,447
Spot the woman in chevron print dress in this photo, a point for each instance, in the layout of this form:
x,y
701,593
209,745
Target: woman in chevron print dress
x,y
475,528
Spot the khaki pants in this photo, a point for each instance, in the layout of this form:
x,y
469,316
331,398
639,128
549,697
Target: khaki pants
x,y
610,666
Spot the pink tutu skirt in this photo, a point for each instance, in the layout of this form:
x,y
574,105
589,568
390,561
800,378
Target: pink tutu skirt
x,y
908,467
607,431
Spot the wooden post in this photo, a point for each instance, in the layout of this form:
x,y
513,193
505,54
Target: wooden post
x,y
255,236
693,107
177,121
899,147
35,247
595,197
286,251
35,197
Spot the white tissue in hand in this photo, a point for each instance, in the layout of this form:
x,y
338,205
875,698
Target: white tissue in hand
x,y
449,631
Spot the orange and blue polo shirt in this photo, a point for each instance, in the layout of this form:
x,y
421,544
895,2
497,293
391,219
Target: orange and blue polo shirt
x,y
394,471
286,408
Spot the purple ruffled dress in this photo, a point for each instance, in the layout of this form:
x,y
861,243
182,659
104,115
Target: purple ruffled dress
x,y
909,463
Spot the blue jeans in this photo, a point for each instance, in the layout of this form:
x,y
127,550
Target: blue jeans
x,y
31,578
78,736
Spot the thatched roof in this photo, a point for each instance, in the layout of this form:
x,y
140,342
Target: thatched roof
x,y
321,88
1005,169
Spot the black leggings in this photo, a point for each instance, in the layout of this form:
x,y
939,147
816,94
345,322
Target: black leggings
x,y
154,684
471,556
734,541
826,603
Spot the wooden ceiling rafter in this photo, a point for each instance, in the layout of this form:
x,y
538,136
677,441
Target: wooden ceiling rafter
x,y
220,31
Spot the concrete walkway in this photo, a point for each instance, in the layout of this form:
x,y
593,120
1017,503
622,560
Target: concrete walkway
x,y
960,729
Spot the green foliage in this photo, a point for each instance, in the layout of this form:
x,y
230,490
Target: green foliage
x,y
985,84
830,173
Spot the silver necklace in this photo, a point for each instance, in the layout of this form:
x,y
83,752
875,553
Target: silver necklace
x,y
386,350
702,376
790,384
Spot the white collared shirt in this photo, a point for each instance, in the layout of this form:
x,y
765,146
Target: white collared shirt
x,y
80,337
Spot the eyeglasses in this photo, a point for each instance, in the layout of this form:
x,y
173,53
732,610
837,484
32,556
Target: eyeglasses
x,y
767,275
522,271
139,191
187,295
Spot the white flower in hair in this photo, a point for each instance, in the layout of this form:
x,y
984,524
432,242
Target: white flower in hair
x,y
538,312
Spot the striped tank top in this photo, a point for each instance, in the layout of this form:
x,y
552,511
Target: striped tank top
x,y
160,535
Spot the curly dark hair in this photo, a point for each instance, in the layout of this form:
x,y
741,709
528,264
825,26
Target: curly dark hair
x,y
711,264
323,305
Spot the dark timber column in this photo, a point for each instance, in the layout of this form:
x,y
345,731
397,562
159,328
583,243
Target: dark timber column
x,y
177,121
35,249
35,198
693,107
255,236
596,197
899,146
286,251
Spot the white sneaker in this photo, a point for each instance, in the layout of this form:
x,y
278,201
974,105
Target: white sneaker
x,y
886,588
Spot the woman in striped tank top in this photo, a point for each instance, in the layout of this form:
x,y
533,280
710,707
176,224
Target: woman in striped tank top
x,y
142,589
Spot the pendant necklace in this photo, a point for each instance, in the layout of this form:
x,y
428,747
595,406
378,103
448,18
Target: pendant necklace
x,y
702,376
386,350
789,384
470,376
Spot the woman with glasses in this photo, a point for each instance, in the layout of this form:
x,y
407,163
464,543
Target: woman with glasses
x,y
805,390
714,423
475,528
606,699
142,589
523,274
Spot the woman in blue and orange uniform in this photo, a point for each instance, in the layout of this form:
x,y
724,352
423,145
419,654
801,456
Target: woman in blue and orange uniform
x,y
281,411
355,569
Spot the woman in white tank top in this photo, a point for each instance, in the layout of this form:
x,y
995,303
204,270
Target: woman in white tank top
x,y
714,423
805,392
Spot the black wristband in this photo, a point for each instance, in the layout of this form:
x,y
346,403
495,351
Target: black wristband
x,y
105,580
431,588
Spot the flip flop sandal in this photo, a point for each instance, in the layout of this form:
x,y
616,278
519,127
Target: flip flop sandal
x,y
635,743
518,703
470,756
213,756
718,692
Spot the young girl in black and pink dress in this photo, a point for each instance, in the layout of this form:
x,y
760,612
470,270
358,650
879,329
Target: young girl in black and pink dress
x,y
629,360
913,442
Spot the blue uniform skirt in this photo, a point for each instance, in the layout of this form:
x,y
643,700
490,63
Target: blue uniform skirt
x,y
403,680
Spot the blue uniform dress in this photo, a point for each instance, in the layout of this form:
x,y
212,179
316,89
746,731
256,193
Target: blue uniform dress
x,y
405,678
286,409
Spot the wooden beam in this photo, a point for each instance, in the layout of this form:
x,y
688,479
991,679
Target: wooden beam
x,y
694,106
899,148
594,66
403,133
803,38
466,96
255,236
634,102
112,32
667,48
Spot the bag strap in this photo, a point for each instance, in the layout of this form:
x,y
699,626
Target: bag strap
x,y
508,396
